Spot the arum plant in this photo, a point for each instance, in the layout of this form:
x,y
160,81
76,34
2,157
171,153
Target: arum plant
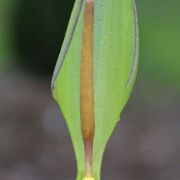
x,y
94,76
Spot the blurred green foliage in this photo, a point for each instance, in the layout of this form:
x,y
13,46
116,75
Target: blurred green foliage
x,y
37,28
160,40
7,10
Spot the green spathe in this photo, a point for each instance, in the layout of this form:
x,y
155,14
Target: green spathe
x,y
115,67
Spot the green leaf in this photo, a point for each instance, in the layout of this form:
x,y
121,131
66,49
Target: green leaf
x,y
115,60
